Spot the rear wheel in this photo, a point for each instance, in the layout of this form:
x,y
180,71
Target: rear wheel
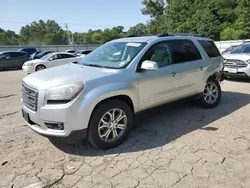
x,y
110,124
40,67
212,94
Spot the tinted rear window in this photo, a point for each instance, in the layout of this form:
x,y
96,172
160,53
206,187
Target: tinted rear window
x,y
184,51
17,54
29,50
210,48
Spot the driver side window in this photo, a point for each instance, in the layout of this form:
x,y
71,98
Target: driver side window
x,y
54,57
159,53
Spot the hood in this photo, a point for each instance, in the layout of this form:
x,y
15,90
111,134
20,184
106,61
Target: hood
x,y
243,57
66,74
35,61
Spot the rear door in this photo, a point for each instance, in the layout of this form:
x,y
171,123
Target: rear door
x,y
188,57
213,58
18,58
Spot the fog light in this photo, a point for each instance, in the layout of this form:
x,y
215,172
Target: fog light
x,y
55,126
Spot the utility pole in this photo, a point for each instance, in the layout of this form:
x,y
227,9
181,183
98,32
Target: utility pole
x,y
67,29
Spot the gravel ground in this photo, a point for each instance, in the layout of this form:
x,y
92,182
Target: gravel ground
x,y
179,145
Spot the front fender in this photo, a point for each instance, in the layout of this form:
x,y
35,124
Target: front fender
x,y
98,94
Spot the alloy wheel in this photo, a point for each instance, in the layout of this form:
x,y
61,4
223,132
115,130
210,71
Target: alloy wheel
x,y
112,125
211,93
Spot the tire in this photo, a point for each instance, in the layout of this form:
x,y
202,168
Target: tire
x,y
40,67
211,93
98,128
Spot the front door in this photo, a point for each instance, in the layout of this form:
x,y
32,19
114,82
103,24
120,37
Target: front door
x,y
162,85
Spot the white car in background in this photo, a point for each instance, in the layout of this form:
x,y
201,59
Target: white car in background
x,y
237,62
50,60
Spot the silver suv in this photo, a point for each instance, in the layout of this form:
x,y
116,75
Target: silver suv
x,y
98,97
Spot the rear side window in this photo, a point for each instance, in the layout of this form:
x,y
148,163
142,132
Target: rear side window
x,y
210,48
17,54
63,56
184,51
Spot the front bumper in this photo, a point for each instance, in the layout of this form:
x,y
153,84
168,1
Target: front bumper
x,y
73,116
28,69
239,73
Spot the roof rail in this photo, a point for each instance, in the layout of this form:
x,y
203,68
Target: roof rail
x,y
165,35
139,36
179,34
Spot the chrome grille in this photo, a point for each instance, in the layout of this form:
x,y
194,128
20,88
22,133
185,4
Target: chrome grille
x,y
30,97
234,63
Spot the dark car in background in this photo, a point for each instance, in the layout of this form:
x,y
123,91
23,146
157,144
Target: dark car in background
x,y
71,51
41,54
11,60
30,51
82,52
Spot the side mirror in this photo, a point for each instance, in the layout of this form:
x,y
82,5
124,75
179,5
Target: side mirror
x,y
149,65
50,59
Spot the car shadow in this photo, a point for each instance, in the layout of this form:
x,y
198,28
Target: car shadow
x,y
159,126
241,80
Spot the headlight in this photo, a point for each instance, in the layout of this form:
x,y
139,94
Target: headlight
x,y
29,63
65,92
248,61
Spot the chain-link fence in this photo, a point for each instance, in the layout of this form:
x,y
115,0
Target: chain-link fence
x,y
222,45
56,48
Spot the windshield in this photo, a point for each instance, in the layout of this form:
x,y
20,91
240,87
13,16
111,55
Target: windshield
x,y
113,55
237,50
46,57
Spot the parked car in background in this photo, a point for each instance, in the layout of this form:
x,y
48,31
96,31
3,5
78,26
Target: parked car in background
x,y
237,62
71,51
98,97
228,50
30,51
41,54
11,60
50,60
83,52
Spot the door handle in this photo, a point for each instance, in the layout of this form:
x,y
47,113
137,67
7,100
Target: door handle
x,y
201,67
173,74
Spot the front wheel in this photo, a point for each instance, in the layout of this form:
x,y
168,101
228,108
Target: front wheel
x,y
110,124
40,67
211,95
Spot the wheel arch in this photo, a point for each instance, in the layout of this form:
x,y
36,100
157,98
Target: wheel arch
x,y
38,65
213,76
122,97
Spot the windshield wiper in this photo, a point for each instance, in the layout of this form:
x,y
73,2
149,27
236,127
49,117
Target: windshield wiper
x,y
94,65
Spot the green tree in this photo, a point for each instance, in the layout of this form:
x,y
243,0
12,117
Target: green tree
x,y
158,25
139,29
153,8
35,32
8,37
